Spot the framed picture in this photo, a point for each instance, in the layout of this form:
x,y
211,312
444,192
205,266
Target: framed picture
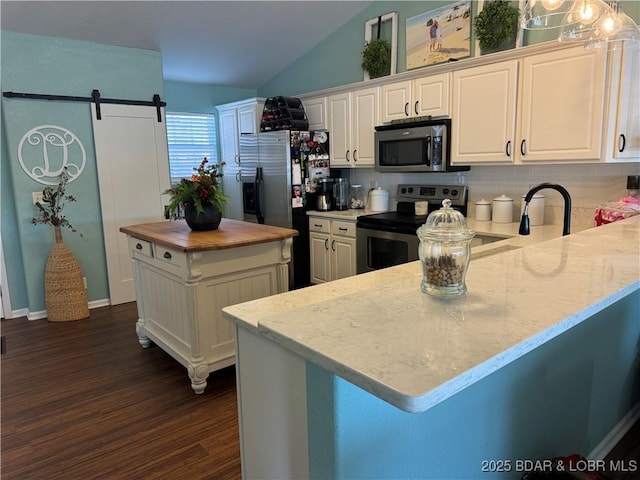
x,y
439,35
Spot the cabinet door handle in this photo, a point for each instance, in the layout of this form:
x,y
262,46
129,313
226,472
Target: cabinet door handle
x,y
326,244
237,160
238,179
342,229
406,109
522,147
415,107
333,245
138,246
317,225
347,155
507,149
167,255
355,155
622,139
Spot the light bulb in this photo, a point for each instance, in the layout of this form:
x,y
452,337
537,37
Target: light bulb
x,y
610,24
552,4
587,12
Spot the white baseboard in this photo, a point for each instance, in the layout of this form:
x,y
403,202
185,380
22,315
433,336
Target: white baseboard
x,y
615,435
25,312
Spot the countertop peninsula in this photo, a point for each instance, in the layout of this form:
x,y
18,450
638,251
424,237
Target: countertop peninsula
x,y
379,332
230,234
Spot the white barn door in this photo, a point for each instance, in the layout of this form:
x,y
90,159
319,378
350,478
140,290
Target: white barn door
x,y
133,171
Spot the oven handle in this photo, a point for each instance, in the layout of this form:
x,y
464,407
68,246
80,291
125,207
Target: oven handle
x,y
257,200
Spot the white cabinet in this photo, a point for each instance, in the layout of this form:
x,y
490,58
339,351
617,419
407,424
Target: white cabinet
x,y
352,120
484,114
623,133
235,119
560,105
333,249
416,98
316,110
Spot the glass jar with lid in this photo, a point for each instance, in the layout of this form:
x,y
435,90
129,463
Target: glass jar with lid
x,y
357,197
444,251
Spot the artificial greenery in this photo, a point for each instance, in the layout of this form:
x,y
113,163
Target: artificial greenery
x,y
376,57
497,22
53,202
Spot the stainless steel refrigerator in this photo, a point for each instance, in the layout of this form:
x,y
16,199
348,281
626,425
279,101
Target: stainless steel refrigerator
x,y
279,173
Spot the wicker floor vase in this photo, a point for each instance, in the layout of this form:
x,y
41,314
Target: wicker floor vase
x,y
64,292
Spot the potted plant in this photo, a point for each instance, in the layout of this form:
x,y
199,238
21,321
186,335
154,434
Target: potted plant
x,y
64,290
200,196
496,25
376,57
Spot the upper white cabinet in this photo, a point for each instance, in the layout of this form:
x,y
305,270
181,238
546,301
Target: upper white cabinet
x,y
352,120
559,99
484,114
416,98
623,132
562,103
316,111
235,119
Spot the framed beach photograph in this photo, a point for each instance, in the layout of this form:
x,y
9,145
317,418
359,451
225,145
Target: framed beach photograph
x,y
439,35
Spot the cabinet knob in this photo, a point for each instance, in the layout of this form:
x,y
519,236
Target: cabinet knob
x,y
622,142
167,255
138,246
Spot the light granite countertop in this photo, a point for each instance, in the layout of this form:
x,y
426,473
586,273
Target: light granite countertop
x,y
380,332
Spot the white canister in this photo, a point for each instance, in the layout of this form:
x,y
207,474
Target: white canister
x,y
502,209
483,210
378,200
536,209
421,207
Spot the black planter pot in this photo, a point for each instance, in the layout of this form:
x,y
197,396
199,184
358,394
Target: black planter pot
x,y
209,220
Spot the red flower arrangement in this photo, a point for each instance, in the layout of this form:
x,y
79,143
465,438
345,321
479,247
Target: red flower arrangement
x,y
203,187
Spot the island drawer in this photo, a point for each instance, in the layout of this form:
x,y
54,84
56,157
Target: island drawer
x,y
172,257
322,225
140,246
346,229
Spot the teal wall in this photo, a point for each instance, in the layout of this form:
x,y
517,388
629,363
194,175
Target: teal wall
x,y
562,398
201,98
336,61
35,64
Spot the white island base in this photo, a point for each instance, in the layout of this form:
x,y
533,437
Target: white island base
x,y
183,279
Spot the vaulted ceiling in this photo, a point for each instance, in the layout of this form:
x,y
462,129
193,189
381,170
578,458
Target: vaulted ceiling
x,y
229,43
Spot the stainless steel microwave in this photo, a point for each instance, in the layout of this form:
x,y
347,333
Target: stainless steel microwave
x,y
422,146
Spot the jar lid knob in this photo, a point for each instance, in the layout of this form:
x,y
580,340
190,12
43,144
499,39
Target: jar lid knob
x,y
446,203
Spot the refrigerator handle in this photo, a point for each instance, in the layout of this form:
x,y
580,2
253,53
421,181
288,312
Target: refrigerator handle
x,y
257,193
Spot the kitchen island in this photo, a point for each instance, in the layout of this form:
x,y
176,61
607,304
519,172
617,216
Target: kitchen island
x,y
183,278
366,377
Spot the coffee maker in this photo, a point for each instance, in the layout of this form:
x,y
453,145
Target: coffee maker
x,y
341,193
325,194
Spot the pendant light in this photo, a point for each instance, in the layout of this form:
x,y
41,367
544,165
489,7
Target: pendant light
x,y
544,14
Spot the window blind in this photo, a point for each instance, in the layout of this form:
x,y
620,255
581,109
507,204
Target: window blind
x,y
190,138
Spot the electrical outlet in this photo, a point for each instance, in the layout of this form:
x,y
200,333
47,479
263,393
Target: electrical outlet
x,y
37,197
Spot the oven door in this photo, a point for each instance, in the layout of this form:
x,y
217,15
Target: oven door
x,y
376,249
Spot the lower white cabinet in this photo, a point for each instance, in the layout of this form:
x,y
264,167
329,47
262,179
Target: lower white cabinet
x,y
333,249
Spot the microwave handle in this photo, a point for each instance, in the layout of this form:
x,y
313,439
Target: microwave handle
x,y
428,159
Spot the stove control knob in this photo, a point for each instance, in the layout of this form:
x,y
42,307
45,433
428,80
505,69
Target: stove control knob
x,y
403,190
410,189
445,191
454,193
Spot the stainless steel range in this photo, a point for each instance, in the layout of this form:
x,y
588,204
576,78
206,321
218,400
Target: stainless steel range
x,y
387,239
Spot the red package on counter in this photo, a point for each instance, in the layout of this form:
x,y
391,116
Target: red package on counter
x,y
610,212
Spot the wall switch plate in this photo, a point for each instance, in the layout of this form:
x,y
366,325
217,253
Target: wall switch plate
x,y
37,197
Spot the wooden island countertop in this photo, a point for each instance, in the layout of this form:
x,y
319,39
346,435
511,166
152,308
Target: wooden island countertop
x,y
177,235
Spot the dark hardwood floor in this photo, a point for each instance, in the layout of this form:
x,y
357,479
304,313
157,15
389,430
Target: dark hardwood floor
x,y
83,400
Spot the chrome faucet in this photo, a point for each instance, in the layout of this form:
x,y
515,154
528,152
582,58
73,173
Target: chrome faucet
x,y
524,222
